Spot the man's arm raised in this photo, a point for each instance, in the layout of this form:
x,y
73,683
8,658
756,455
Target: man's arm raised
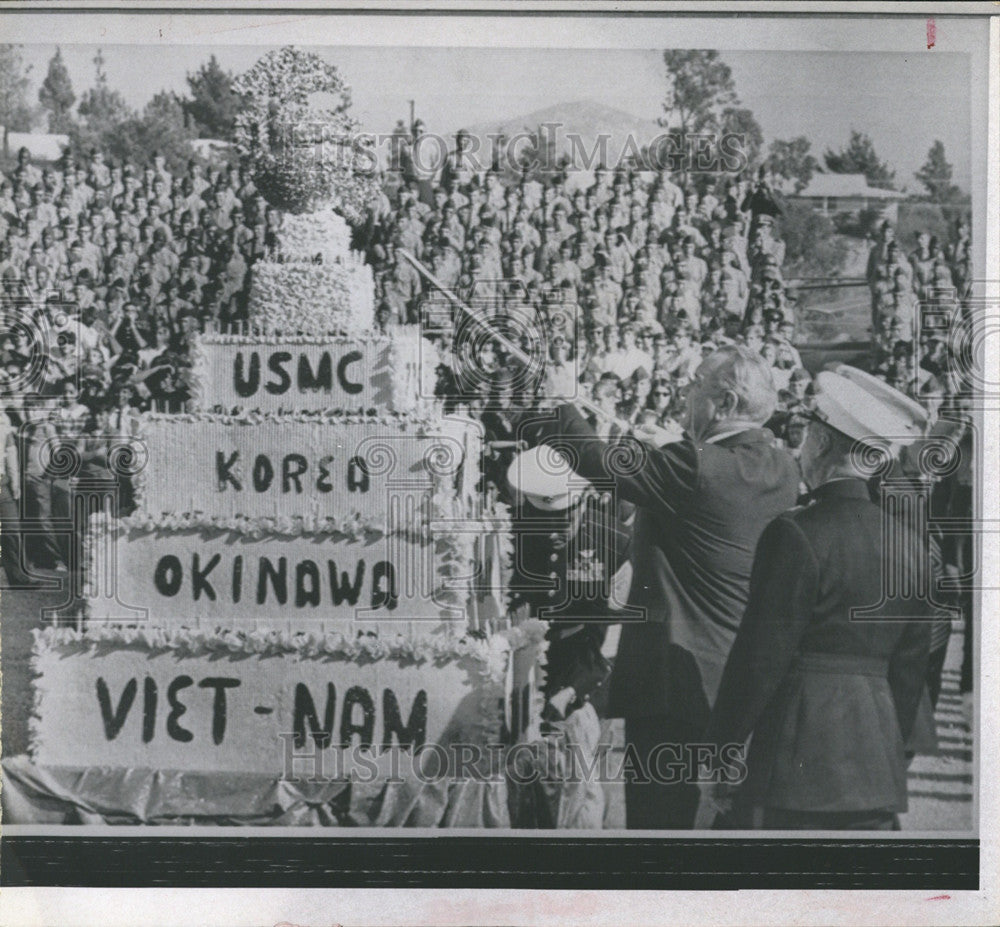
x,y
641,474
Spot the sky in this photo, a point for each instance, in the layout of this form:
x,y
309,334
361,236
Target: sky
x,y
904,101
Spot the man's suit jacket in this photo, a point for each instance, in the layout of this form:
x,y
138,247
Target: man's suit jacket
x,y
701,509
829,698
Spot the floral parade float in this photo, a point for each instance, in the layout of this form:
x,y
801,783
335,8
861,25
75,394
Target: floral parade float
x,y
304,617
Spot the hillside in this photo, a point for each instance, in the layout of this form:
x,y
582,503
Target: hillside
x,y
584,120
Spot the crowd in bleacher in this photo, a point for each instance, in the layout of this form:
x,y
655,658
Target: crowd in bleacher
x,y
107,271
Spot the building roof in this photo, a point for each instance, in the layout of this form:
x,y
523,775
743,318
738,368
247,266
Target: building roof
x,y
846,186
42,145
208,147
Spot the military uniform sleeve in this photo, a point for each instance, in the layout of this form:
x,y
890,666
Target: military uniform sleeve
x,y
783,591
642,475
908,672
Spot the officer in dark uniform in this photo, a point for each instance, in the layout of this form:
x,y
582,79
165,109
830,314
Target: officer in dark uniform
x,y
569,548
760,202
827,685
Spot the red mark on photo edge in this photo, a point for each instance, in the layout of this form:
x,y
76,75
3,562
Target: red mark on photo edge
x,y
940,898
931,33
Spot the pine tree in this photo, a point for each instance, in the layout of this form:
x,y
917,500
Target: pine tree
x,y
101,107
111,125
15,111
700,86
158,129
935,175
213,104
859,157
701,99
56,94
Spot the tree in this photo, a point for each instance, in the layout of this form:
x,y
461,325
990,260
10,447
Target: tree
x,y
160,128
102,111
701,100
859,157
935,175
539,159
739,121
700,86
213,104
56,94
15,111
109,124
791,160
812,247
100,107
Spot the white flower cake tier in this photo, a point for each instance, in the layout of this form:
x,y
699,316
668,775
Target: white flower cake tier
x,y
312,283
311,299
312,236
299,521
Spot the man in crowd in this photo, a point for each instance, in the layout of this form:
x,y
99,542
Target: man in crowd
x,y
702,504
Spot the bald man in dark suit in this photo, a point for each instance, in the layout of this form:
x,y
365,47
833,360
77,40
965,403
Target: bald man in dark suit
x,y
702,504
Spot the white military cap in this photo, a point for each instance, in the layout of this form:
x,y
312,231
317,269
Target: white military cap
x,y
863,407
909,408
544,476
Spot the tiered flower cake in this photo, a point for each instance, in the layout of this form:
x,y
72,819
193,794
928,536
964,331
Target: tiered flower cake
x,y
316,484
315,283
309,574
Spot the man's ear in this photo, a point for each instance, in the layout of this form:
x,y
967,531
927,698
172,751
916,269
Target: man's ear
x,y
823,439
729,403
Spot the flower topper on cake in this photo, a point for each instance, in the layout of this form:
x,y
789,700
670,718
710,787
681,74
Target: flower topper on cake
x,y
304,147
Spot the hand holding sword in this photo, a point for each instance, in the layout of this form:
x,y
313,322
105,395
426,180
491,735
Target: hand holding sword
x,y
506,343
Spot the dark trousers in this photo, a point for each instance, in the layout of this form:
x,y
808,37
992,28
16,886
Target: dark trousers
x,y
968,629
10,537
935,667
38,497
959,549
664,804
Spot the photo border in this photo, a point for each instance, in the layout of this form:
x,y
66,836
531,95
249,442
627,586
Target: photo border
x,y
75,858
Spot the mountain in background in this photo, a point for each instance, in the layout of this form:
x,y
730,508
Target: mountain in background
x,y
584,119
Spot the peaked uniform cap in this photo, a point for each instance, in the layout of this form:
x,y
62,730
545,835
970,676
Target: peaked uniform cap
x,y
862,407
544,476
